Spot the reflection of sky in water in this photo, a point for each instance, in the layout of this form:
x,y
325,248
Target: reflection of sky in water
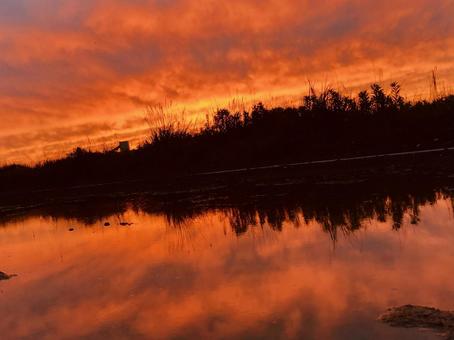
x,y
202,280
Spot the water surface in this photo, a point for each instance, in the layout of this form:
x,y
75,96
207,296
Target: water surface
x,y
225,272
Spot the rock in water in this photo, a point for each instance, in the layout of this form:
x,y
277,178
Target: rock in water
x,y
4,276
410,316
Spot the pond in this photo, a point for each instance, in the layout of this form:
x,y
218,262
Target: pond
x,y
277,270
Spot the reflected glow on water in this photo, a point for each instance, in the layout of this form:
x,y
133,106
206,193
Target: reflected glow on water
x,y
202,279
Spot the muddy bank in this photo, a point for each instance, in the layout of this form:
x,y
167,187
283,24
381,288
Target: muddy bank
x,y
433,169
409,316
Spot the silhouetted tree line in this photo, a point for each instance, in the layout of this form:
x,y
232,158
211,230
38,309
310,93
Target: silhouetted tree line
x,y
327,124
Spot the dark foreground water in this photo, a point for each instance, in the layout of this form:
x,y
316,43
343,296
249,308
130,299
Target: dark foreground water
x,y
225,273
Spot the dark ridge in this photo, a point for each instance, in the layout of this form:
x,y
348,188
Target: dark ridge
x,y
327,125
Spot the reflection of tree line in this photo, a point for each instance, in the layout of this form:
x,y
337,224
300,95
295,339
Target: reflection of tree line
x,y
335,210
335,213
338,216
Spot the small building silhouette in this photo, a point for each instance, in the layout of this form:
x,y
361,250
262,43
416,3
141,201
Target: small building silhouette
x,y
123,146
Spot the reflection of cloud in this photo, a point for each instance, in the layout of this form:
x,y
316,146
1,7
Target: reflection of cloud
x,y
71,61
100,282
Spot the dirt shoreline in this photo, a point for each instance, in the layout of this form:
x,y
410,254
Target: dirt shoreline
x,y
434,171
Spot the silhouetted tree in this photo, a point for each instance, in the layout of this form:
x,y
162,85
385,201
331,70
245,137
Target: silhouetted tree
x,y
365,105
379,98
396,99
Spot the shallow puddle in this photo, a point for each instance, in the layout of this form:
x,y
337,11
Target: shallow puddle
x,y
221,274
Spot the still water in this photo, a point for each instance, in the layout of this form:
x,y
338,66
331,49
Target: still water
x,y
224,272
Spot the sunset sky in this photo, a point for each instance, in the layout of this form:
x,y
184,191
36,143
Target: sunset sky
x,y
81,72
